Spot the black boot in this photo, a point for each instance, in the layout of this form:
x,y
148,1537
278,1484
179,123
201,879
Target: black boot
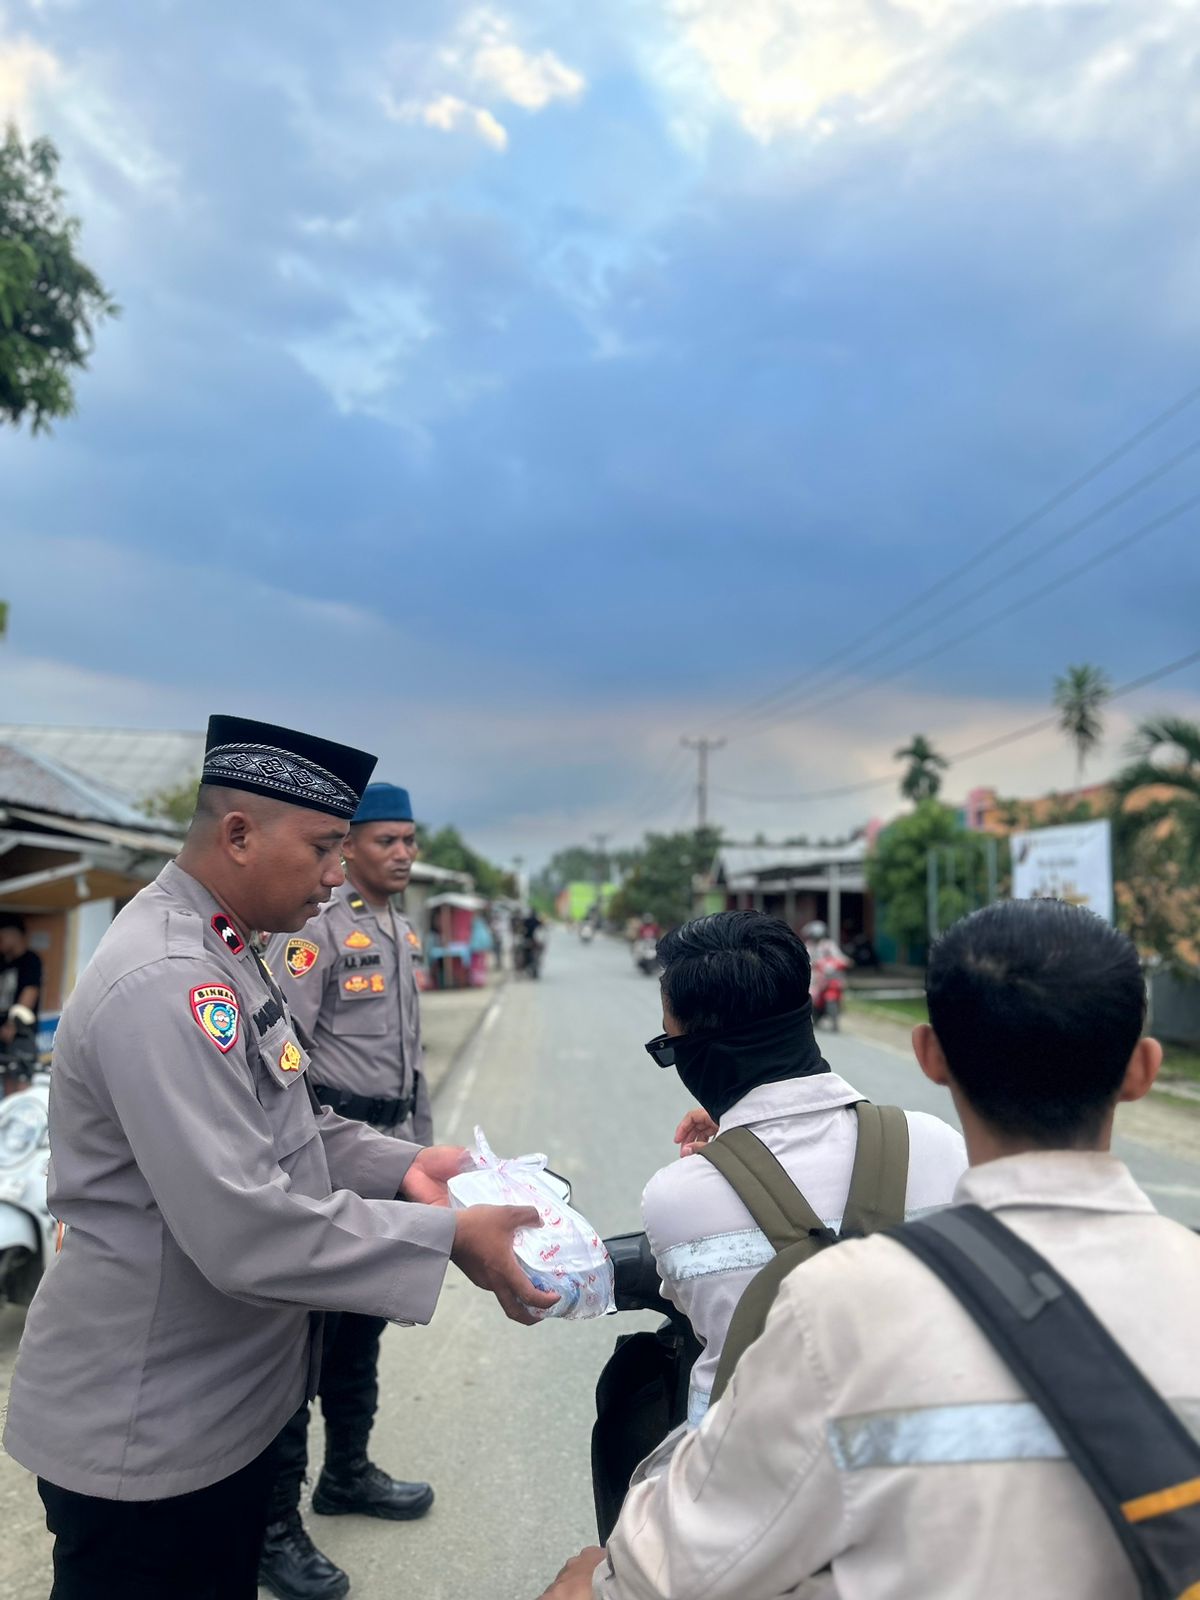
x,y
293,1568
350,1485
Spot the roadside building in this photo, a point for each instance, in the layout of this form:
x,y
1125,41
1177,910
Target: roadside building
x,y
800,883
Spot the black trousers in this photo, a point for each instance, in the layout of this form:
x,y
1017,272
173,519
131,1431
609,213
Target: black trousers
x,y
349,1392
199,1546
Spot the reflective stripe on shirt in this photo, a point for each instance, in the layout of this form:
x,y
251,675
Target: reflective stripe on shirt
x,y
1009,1430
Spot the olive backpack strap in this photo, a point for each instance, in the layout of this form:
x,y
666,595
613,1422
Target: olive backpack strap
x,y
879,1181
876,1201
764,1188
1133,1451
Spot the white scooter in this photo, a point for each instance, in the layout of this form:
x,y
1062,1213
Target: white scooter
x,y
27,1230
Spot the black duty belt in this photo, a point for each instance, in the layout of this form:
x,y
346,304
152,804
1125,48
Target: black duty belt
x,y
380,1113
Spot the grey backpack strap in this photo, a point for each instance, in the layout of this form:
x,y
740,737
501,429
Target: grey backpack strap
x,y
879,1181
765,1189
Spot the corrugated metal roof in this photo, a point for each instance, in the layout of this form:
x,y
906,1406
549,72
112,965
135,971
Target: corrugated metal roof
x,y
39,783
741,861
134,763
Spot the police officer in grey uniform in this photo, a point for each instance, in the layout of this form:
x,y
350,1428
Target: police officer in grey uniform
x,y
211,1213
349,979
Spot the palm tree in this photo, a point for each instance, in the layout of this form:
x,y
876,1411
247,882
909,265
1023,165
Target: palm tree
x,y
923,777
1166,757
1078,697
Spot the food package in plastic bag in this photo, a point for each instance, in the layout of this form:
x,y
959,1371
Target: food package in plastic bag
x,y
565,1255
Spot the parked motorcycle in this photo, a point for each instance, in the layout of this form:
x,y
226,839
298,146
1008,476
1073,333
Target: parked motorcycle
x,y
18,1060
27,1230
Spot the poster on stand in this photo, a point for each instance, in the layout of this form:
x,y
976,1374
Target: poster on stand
x,y
1072,863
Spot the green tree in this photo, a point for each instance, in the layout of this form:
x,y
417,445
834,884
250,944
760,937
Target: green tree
x,y
447,848
1079,696
898,873
174,805
49,300
661,881
1156,840
923,776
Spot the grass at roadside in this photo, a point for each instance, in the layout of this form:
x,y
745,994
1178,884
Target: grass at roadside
x,y
1179,1060
910,1011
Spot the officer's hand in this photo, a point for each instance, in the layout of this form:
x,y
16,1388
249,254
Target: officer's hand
x,y
697,1128
574,1582
483,1248
426,1180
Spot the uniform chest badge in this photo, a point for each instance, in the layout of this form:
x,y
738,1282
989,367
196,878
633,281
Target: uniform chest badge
x,y
358,940
215,1008
228,934
290,1058
356,985
300,955
413,940
378,983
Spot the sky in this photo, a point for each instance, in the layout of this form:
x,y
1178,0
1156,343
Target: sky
x,y
514,390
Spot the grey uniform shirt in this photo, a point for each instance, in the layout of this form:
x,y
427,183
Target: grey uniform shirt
x,y
208,1209
350,981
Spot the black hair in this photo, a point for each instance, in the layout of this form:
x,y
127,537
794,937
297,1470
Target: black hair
x,y
732,968
11,919
1037,1006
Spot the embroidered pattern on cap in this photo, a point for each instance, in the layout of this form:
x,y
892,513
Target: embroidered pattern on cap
x,y
282,771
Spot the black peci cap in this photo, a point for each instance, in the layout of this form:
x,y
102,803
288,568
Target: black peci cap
x,y
295,767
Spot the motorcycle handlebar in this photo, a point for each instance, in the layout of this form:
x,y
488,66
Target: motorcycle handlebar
x,y
635,1275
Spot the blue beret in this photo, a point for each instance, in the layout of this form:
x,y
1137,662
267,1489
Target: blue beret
x,y
384,802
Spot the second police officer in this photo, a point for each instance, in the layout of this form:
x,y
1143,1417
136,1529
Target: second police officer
x,y
349,979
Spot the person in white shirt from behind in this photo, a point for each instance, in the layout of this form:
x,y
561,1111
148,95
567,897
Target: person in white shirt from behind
x,y
873,1444
739,1033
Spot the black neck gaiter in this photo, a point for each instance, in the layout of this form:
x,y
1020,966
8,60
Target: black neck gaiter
x,y
719,1068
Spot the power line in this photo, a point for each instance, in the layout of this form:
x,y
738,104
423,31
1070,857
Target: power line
x,y
1019,604
1004,538
988,745
1121,498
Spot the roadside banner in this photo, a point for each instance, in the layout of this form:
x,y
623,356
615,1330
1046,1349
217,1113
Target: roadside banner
x,y
1072,863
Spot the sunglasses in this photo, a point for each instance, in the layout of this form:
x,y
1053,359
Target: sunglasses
x,y
661,1050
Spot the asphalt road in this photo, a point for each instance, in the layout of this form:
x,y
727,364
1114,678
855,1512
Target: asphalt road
x,y
496,1416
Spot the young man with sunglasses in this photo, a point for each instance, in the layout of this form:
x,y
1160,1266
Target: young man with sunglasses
x,y
876,1439
739,1033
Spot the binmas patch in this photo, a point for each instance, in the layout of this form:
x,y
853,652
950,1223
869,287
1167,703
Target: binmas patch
x,y
358,940
290,1058
215,1008
300,956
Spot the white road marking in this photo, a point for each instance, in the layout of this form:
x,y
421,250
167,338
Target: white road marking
x,y
467,1085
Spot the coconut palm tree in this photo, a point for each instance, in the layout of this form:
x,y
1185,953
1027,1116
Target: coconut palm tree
x,y
923,776
1078,696
1166,760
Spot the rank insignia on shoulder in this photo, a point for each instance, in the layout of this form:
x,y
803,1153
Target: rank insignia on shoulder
x,y
228,934
300,955
215,1008
356,903
356,985
358,940
290,1058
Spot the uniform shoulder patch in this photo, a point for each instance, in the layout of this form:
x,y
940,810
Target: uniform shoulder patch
x,y
358,940
300,955
215,1008
290,1058
228,934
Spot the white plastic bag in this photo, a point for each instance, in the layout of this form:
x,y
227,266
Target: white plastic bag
x,y
565,1255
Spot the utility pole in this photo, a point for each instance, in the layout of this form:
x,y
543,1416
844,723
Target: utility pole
x,y
600,840
702,748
